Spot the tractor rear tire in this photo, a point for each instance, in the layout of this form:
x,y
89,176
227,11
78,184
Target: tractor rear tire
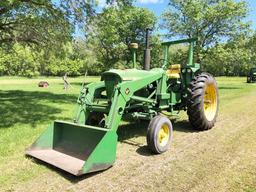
x,y
159,134
203,102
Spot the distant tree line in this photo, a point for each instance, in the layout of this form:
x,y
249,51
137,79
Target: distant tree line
x,y
37,37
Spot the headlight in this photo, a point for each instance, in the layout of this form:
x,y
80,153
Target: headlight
x,y
183,70
189,70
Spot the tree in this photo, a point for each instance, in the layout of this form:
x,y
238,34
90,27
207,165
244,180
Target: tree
x,y
40,35
43,22
233,58
252,46
18,61
114,29
211,21
32,22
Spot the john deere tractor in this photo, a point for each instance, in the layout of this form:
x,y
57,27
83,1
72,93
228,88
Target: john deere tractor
x,y
88,143
251,77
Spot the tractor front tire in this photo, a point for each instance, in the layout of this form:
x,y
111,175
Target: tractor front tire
x,y
96,119
159,134
203,102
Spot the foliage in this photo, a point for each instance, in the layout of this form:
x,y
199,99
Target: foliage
x,y
44,22
36,37
40,33
24,61
209,20
233,58
114,29
179,54
38,23
19,61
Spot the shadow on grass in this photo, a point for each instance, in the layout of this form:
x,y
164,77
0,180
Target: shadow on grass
x,y
79,84
139,128
72,178
221,88
26,107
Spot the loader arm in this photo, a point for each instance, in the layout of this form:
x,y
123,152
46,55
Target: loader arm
x,y
122,93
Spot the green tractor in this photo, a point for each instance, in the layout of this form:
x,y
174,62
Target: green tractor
x,y
251,77
89,143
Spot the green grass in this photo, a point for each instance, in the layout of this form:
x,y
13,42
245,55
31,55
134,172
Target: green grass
x,y
222,159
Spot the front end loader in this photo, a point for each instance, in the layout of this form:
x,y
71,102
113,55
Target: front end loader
x,y
89,143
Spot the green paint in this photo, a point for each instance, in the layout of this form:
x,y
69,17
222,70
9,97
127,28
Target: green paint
x,y
104,154
46,139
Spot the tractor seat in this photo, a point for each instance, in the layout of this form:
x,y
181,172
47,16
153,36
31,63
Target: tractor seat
x,y
173,72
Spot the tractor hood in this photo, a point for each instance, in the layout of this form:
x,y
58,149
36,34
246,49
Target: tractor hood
x,y
130,74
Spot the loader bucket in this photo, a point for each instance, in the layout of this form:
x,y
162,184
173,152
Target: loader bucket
x,y
75,148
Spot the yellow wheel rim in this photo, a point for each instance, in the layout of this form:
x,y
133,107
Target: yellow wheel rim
x,y
210,102
163,135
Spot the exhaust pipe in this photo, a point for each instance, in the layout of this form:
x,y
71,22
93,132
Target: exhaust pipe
x,y
147,52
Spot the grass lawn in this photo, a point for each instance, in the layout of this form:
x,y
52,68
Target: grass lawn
x,y
221,159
